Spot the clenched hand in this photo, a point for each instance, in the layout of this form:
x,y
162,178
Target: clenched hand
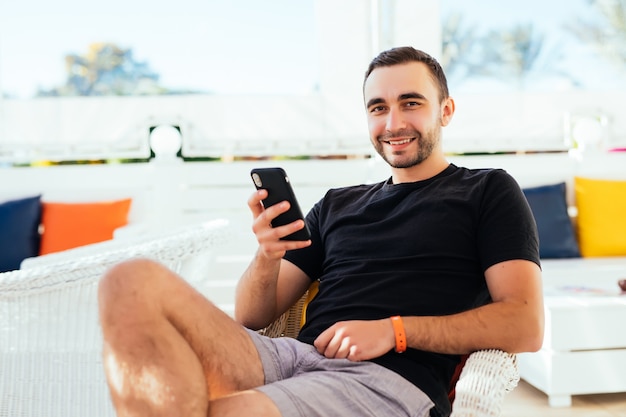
x,y
356,340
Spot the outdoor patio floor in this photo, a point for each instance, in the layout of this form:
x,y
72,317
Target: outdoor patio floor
x,y
527,401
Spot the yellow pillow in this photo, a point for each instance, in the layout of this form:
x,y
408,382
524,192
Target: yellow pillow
x,y
601,216
68,225
313,290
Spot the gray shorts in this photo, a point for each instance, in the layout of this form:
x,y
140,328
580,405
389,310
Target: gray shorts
x,y
304,383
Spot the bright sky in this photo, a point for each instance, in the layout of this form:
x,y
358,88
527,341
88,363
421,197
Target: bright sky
x,y
223,46
235,46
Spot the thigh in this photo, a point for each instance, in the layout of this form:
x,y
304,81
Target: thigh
x,y
146,292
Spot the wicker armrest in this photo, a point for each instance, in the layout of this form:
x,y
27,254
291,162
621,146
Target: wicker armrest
x,y
486,377
287,325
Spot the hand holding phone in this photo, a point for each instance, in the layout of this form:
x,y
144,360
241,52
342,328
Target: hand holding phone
x,y
276,182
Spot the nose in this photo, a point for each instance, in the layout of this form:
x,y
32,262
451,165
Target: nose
x,y
395,120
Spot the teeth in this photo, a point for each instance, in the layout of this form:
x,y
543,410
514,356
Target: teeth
x,y
399,142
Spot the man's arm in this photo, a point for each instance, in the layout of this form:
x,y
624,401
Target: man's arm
x,y
270,285
513,322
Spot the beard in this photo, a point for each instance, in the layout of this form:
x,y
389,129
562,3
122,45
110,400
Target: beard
x,y
425,144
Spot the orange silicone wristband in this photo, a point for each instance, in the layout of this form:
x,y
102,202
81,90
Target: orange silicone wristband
x,y
398,329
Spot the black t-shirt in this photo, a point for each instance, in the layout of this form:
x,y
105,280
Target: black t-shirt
x,y
413,249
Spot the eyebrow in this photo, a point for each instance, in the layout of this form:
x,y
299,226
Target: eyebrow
x,y
401,97
374,101
411,95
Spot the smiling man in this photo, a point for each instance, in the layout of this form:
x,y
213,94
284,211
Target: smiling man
x,y
433,263
407,105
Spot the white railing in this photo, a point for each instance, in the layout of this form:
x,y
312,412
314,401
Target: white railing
x,y
82,128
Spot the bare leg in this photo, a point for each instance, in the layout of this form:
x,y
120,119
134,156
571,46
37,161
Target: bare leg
x,y
168,351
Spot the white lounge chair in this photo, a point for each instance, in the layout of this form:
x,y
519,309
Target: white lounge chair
x,y
50,339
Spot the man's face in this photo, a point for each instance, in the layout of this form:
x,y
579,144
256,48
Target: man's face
x,y
404,113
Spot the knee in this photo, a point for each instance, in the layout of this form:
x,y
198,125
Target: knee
x,y
133,282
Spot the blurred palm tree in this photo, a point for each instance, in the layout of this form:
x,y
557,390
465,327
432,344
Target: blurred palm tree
x,y
108,70
515,53
607,34
510,54
459,40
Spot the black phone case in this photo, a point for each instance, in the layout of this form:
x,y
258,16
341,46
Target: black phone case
x,y
276,182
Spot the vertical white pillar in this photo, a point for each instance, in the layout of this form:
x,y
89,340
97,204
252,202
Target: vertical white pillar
x,y
413,23
344,39
351,32
166,209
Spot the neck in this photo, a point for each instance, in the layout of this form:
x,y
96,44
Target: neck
x,y
428,168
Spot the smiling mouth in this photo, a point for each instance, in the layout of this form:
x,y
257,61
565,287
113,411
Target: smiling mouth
x,y
398,142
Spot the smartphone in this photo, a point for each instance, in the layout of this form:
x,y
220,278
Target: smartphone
x,y
276,182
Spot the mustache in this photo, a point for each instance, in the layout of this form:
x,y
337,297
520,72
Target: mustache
x,y
402,133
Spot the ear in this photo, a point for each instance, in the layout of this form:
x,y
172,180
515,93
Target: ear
x,y
447,111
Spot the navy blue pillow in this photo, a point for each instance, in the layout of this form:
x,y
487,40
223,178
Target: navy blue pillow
x,y
556,233
19,231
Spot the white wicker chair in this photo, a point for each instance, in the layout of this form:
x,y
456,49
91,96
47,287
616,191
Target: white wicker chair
x,y
50,340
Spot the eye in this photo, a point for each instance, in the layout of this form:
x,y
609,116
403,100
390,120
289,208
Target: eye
x,y
412,103
377,109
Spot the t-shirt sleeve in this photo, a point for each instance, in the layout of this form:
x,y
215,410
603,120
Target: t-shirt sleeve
x,y
506,229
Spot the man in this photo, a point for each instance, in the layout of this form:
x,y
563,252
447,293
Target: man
x,y
436,262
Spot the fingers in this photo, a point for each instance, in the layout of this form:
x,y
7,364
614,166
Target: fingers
x,y
267,236
322,341
254,202
262,225
333,343
263,216
356,340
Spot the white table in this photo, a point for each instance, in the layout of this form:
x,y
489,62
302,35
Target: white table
x,y
584,349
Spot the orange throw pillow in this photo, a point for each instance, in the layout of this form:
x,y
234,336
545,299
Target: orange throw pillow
x,y
68,225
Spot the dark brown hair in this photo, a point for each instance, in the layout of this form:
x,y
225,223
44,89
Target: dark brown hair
x,y
406,54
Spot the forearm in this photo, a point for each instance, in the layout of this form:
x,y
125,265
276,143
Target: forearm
x,y
512,323
259,298
255,295
509,326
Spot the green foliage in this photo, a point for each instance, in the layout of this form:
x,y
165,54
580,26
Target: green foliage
x,y
606,34
510,54
108,70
